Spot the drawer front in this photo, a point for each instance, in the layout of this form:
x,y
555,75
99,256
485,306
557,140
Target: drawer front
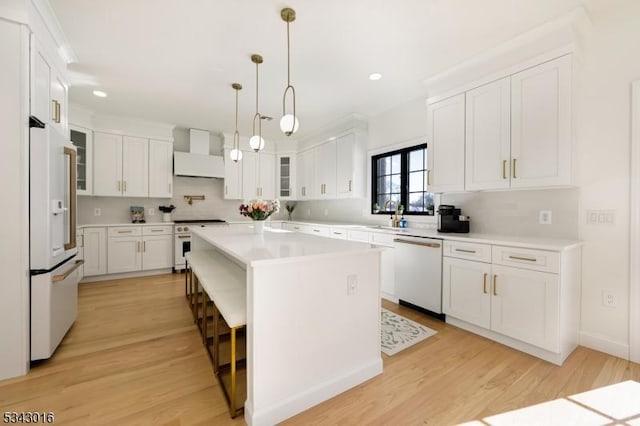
x,y
355,235
381,239
124,231
339,233
469,251
535,260
157,230
319,230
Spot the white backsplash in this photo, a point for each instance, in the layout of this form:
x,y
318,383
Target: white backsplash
x,y
517,213
504,213
214,206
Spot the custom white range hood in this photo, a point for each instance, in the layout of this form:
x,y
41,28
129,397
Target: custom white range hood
x,y
197,162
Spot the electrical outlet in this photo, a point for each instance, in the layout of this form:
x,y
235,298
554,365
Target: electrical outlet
x,y
609,298
151,211
545,217
97,211
352,284
601,217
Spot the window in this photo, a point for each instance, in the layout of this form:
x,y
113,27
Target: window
x,y
400,177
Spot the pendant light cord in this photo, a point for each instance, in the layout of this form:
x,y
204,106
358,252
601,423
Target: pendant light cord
x,y
288,57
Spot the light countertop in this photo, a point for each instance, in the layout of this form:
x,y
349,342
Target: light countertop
x,y
494,239
276,245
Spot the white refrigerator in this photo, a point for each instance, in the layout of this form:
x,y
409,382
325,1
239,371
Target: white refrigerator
x,y
53,247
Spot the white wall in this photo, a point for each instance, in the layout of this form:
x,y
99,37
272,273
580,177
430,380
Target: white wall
x,y
14,250
608,62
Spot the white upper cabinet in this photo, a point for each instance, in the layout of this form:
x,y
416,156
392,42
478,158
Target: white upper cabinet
x,y
121,165
258,175
83,140
325,170
286,176
488,137
541,125
107,165
135,167
232,178
350,166
306,172
49,90
445,144
160,169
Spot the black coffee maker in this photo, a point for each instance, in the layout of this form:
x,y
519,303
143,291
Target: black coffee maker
x,y
450,220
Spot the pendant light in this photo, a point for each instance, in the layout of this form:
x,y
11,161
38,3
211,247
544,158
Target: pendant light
x,y
236,154
288,122
256,141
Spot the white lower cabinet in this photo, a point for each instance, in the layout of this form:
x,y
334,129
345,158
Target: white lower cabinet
x,y
466,290
157,247
525,298
124,253
525,306
94,250
135,248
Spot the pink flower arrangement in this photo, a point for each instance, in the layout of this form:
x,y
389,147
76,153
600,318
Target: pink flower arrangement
x,y
259,209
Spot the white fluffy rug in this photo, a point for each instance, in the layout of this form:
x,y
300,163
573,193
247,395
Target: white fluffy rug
x,y
398,332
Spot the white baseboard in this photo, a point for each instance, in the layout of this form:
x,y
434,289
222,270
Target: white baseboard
x,y
314,396
389,297
95,278
602,344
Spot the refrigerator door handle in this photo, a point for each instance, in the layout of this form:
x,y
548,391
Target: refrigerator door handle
x,y
71,152
62,277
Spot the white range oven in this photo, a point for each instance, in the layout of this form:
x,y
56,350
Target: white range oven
x,y
182,237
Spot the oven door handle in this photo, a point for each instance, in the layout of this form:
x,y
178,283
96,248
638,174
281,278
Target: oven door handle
x,y
183,236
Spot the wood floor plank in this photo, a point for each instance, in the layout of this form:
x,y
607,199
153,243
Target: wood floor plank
x,y
135,357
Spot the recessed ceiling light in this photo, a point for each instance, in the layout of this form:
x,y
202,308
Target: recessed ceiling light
x,y
100,93
375,76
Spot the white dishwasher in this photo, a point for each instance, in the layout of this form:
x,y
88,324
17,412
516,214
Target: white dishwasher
x,y
418,272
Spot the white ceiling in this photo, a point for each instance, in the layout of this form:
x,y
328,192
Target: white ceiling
x,y
174,62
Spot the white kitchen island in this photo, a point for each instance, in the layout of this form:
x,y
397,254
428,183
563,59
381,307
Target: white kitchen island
x,y
313,316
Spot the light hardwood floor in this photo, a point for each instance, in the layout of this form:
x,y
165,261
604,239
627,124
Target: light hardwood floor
x,y
134,357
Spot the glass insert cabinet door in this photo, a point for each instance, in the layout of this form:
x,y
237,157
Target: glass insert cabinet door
x,y
286,188
83,140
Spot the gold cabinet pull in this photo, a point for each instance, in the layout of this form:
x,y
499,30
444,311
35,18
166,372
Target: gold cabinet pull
x,y
169,188
495,286
349,185
125,232
56,111
125,186
138,246
514,168
428,177
144,246
118,185
484,283
504,169
528,259
226,190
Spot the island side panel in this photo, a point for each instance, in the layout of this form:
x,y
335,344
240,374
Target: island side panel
x,y
308,338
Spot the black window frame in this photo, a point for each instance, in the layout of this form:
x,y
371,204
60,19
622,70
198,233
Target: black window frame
x,y
404,180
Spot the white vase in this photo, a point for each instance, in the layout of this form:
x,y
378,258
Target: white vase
x,y
166,217
258,226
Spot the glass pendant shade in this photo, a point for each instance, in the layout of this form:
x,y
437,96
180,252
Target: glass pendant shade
x,y
256,142
235,154
287,123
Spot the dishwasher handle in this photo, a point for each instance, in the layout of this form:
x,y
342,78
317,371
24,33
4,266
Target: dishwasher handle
x,y
417,243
